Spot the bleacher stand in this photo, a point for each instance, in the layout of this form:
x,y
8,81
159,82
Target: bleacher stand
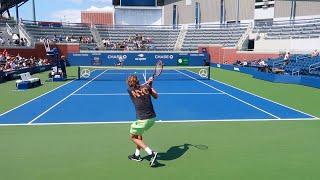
x,y
161,38
298,29
226,35
155,38
59,32
9,36
298,65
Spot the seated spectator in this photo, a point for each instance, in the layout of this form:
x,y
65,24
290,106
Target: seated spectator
x,y
16,39
22,42
2,41
2,58
315,53
237,63
262,63
287,56
244,63
104,43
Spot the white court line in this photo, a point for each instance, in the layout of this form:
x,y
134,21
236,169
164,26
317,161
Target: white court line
x,y
64,98
137,73
126,94
267,99
230,95
260,97
36,98
163,121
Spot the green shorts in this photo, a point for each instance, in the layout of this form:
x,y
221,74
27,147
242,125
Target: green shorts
x,y
140,126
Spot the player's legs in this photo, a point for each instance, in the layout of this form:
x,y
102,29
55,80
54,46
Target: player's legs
x,y
137,139
136,131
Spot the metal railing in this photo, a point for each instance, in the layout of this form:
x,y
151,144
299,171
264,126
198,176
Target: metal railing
x,y
301,58
96,35
278,62
244,36
314,66
23,32
180,40
9,29
295,72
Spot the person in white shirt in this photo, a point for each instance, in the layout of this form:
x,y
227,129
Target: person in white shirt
x,y
315,53
287,56
262,63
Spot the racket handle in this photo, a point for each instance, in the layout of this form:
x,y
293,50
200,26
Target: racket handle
x,y
150,80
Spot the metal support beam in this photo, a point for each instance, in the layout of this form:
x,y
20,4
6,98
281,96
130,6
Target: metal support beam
x,y
222,13
17,14
238,11
34,11
293,10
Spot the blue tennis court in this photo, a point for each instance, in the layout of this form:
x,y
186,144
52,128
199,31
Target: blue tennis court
x,y
184,97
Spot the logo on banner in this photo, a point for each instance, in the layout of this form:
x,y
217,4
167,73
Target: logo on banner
x,y
96,61
165,56
140,57
117,56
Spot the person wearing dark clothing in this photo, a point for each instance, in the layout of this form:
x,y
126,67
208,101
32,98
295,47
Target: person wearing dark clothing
x,y
62,63
141,98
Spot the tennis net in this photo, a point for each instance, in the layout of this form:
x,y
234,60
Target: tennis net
x,y
105,73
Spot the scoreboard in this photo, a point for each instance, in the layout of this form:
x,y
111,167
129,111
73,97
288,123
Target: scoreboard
x,y
137,2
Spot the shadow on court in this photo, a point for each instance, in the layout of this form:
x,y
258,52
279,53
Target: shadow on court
x,y
175,152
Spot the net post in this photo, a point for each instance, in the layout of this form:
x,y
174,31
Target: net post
x,y
209,72
78,72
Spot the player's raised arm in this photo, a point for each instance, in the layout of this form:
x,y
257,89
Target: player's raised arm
x,y
154,93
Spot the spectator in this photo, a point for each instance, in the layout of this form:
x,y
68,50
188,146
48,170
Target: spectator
x,y
262,63
287,56
22,42
16,39
62,64
2,41
315,53
9,63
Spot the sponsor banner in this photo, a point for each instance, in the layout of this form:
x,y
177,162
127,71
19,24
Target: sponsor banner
x,y
135,59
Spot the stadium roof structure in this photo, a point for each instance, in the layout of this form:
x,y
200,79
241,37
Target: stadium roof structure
x,y
8,4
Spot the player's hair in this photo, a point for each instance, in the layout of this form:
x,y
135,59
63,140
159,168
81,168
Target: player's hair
x,y
133,81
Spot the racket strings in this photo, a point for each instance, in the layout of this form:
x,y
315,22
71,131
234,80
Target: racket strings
x,y
158,69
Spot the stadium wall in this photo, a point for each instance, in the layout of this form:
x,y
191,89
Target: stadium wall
x,y
39,50
292,45
221,55
303,8
93,17
210,11
246,8
138,16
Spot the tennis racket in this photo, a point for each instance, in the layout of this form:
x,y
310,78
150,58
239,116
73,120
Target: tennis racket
x,y
157,70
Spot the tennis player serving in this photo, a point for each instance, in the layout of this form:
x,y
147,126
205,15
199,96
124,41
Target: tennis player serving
x,y
146,116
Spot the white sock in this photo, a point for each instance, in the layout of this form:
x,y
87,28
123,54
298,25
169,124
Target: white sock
x,y
137,153
148,150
